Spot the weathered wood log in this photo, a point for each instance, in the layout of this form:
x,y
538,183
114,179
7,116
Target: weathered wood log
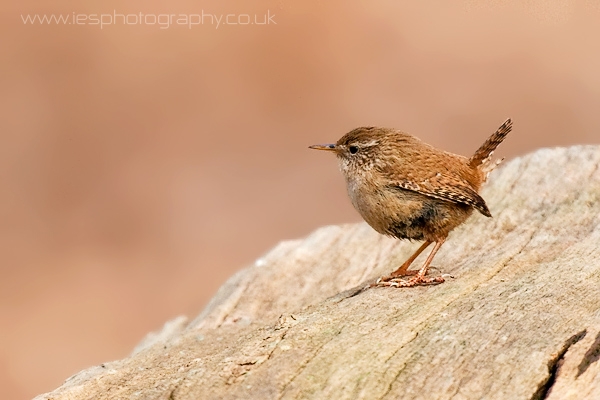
x,y
519,320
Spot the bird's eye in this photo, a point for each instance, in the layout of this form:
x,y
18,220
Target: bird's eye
x,y
353,149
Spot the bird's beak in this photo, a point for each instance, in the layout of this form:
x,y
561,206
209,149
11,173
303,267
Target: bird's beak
x,y
326,147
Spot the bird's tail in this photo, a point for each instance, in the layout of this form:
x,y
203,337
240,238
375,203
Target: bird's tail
x,y
483,154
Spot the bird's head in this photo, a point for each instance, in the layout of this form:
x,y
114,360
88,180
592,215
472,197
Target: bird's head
x,y
363,148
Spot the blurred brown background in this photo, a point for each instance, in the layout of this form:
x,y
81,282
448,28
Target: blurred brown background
x,y
141,167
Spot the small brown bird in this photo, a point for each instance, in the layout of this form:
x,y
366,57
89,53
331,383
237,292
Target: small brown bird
x,y
408,189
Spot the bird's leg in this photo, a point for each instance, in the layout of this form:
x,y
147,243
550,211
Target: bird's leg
x,y
419,278
403,270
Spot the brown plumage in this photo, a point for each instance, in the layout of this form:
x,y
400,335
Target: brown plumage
x,y
408,189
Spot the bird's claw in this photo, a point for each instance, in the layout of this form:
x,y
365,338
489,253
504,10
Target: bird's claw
x,y
415,281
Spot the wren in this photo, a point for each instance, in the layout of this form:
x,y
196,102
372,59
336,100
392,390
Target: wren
x,y
407,189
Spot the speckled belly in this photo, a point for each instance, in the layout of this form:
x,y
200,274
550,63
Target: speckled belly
x,y
405,214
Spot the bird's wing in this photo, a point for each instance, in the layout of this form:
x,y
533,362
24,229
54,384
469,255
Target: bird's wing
x,y
452,189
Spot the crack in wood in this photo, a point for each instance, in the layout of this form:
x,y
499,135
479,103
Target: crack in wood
x,y
554,365
590,357
172,394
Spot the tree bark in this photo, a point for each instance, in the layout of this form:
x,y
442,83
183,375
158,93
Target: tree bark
x,y
519,320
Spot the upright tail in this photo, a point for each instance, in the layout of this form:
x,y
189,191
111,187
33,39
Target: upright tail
x,y
484,153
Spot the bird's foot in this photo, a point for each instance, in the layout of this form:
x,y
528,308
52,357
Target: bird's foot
x,y
410,272
393,276
417,280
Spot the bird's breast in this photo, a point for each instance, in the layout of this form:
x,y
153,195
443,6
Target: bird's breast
x,y
402,213
380,206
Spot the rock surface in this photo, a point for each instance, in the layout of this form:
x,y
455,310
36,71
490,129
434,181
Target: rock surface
x,y
520,319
